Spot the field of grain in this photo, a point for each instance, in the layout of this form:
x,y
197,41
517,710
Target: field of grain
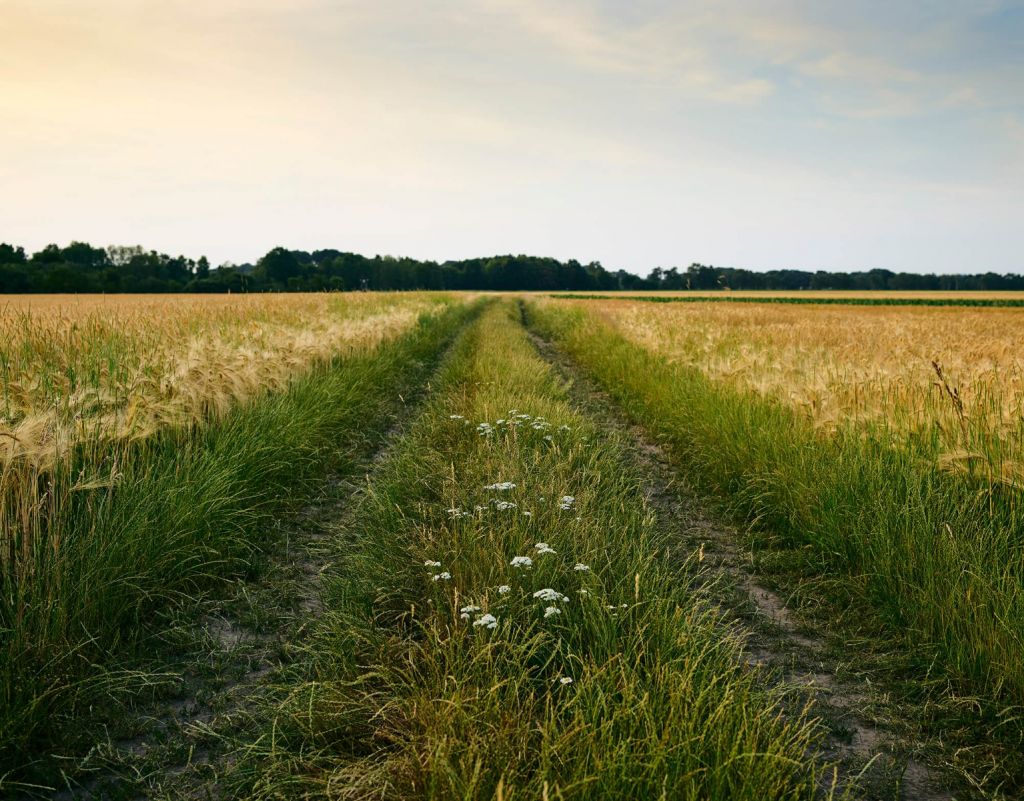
x,y
76,369
435,546
952,374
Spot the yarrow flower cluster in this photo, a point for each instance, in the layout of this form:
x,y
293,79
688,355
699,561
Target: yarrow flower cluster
x,y
431,563
543,547
549,594
443,576
485,429
503,506
501,486
551,611
504,589
579,567
566,502
524,562
486,620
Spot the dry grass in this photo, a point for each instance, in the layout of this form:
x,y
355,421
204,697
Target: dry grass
x,y
99,368
855,365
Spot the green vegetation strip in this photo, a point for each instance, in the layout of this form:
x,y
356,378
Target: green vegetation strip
x,y
504,620
187,510
938,560
819,301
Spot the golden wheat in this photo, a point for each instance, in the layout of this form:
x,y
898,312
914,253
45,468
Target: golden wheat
x,y
122,368
952,370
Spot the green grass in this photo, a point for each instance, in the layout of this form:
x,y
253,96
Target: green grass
x,y
833,301
188,510
936,560
400,696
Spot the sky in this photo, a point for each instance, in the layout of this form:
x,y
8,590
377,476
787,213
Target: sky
x,y
747,133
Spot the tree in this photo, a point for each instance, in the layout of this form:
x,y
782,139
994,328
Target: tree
x,y
278,266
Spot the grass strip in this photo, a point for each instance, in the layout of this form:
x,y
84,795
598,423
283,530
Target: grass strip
x,y
934,561
819,301
506,621
186,511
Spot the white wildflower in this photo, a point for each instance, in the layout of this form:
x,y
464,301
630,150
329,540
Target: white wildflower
x,y
456,417
470,608
543,547
431,563
565,680
549,594
522,561
501,485
504,589
527,514
503,506
581,568
564,428
445,576
551,611
485,429
548,438
566,502
488,620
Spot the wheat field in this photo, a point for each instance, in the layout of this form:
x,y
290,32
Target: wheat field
x,y
955,374
98,369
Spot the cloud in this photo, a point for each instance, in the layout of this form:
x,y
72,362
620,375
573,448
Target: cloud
x,y
628,132
656,49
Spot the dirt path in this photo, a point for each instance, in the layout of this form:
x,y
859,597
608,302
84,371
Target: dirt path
x,y
229,658
866,751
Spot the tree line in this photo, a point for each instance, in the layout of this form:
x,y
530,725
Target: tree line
x,y
80,267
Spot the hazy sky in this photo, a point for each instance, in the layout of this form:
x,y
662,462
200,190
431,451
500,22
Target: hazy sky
x,y
756,133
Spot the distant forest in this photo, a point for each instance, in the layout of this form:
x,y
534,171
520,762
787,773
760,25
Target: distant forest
x,y
80,267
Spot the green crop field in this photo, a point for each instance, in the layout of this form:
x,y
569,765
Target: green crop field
x,y
458,546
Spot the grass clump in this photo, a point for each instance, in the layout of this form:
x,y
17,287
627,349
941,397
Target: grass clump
x,y
505,621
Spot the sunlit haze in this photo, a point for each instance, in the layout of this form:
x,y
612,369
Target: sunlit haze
x,y
831,135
